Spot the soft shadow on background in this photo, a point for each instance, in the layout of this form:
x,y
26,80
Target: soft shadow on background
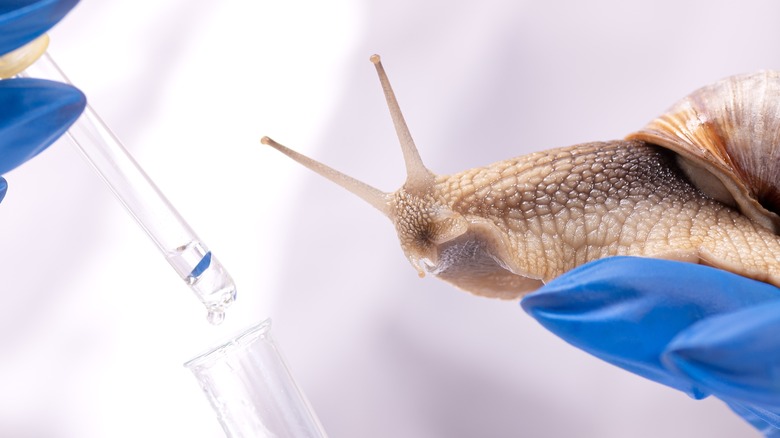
x,y
95,326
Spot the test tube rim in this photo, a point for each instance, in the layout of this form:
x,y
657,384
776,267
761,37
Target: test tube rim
x,y
209,357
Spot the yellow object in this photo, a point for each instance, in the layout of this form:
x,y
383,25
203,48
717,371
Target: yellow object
x,y
13,63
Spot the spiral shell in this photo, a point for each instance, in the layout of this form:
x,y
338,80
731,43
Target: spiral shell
x,y
729,130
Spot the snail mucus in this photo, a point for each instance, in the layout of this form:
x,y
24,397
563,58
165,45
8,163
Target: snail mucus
x,y
698,184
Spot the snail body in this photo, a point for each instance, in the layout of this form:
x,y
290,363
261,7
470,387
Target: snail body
x,y
681,188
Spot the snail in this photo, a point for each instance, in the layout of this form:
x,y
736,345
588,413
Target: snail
x,y
698,184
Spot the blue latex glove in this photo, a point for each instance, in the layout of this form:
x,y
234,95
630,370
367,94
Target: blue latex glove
x,y
33,112
22,21
697,329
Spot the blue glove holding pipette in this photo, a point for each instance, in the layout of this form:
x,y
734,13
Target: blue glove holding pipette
x,y
697,329
33,112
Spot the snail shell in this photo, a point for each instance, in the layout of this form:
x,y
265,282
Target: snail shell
x,y
729,130
698,184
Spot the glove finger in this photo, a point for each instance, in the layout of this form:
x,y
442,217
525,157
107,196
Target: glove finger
x,y
3,188
21,21
766,422
626,310
35,113
735,355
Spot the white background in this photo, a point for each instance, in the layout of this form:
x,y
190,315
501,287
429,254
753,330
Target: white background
x,y
95,326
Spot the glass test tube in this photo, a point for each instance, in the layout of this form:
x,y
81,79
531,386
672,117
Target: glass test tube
x,y
252,391
186,253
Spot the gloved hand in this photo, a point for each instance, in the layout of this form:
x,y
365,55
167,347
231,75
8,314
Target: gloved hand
x,y
697,329
33,112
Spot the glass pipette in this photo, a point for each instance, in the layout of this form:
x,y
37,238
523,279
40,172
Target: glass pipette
x,y
186,253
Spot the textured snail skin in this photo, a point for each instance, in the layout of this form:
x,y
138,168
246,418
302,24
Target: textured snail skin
x,y
697,184
504,229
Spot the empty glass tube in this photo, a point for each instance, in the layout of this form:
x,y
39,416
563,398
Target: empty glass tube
x,y
251,389
186,253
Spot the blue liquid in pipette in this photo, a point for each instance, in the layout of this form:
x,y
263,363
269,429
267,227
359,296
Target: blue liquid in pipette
x,y
206,276
203,264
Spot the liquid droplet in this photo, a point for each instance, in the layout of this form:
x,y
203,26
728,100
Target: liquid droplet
x,y
215,317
